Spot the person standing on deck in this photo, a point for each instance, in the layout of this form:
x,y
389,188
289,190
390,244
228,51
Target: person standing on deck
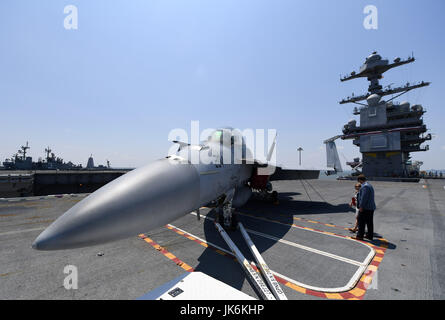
x,y
354,205
366,207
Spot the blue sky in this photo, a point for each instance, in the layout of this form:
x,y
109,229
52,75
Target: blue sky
x,y
134,70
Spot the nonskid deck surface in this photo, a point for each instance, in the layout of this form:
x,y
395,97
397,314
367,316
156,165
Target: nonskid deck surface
x,y
304,240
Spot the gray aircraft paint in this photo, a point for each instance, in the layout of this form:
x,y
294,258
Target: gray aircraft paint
x,y
149,197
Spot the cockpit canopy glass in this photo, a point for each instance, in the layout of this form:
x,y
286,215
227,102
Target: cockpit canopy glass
x,y
226,136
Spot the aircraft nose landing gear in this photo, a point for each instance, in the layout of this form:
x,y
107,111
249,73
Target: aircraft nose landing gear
x,y
226,215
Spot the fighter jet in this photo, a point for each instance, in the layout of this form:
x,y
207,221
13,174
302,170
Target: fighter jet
x,y
220,172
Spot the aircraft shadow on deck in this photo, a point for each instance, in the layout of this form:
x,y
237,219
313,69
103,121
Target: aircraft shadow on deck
x,y
217,265
232,273
288,205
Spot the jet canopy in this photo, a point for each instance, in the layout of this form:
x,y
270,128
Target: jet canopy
x,y
227,137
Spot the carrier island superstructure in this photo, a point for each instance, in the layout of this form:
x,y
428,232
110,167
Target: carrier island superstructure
x,y
388,131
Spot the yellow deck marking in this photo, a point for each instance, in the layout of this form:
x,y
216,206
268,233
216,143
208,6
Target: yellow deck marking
x,y
333,296
296,288
357,292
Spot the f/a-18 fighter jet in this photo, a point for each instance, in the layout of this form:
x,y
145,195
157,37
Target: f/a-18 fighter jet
x,y
220,172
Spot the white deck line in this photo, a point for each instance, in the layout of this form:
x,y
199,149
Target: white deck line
x,y
20,231
351,283
64,195
365,261
300,246
296,245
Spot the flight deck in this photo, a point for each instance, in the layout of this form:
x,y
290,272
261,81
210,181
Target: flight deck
x,y
304,240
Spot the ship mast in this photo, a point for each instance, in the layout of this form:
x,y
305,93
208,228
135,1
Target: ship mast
x,y
23,150
48,151
373,69
388,131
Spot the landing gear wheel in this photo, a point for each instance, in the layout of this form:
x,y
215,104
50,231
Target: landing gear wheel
x,y
275,197
234,222
219,218
228,222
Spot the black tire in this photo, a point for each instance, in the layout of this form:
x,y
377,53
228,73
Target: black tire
x,y
234,222
219,217
274,196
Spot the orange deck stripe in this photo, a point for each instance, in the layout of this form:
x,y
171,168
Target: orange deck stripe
x,y
356,293
167,254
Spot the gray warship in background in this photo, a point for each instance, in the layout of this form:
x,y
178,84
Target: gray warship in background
x,y
388,132
20,161
20,176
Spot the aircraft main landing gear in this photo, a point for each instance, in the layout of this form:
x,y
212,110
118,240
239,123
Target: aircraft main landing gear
x,y
268,196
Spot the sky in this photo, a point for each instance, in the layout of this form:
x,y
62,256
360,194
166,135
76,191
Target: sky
x,y
133,71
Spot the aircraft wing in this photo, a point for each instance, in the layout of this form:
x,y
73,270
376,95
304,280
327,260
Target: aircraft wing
x,y
284,173
281,172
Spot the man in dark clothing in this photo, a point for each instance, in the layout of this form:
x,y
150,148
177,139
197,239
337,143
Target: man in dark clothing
x,y
366,209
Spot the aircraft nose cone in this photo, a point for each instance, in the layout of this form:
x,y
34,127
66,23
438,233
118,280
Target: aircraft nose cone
x,y
141,200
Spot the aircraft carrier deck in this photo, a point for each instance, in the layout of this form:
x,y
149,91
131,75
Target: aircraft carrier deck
x,y
303,239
